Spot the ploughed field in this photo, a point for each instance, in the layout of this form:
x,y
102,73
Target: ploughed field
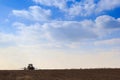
x,y
72,74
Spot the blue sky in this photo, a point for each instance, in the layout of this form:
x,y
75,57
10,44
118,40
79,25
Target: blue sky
x,y
60,33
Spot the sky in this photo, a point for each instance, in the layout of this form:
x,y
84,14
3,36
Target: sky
x,y
60,34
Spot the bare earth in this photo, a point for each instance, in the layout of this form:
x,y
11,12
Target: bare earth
x,y
73,74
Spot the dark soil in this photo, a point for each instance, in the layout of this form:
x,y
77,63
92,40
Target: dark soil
x,y
73,74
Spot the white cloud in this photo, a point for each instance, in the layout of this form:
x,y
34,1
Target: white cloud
x,y
82,30
54,34
107,25
58,31
34,13
63,33
70,30
89,7
81,8
57,3
104,5
29,34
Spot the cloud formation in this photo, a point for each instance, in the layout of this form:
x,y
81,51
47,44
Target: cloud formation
x,y
70,30
82,7
108,22
34,13
104,5
64,32
57,3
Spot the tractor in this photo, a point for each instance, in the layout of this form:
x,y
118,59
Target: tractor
x,y
29,67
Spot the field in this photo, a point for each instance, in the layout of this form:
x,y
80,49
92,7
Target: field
x,y
72,74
